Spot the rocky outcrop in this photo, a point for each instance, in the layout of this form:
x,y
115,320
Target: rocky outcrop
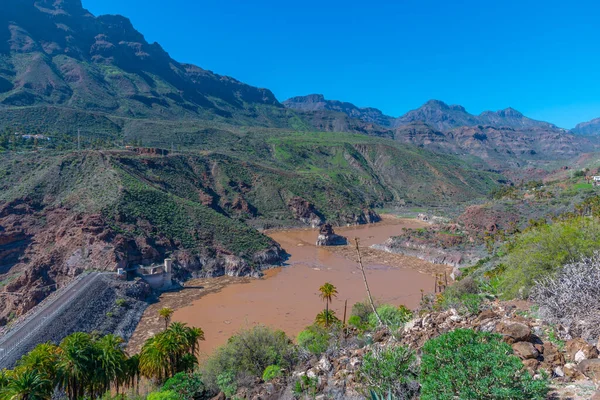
x,y
305,212
327,237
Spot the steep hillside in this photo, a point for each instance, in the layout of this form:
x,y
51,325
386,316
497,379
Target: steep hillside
x,y
55,53
62,213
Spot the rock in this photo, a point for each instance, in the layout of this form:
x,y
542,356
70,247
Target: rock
x,y
531,365
487,314
354,362
579,350
327,237
558,371
324,364
552,357
514,332
596,396
572,372
311,373
539,347
591,369
525,350
220,396
380,335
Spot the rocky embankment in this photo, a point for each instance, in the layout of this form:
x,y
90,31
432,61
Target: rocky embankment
x,y
571,363
44,247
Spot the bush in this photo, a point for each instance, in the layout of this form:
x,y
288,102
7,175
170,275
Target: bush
x,y
355,322
393,317
362,311
187,385
163,395
248,353
314,339
390,370
572,297
475,365
271,372
542,251
226,382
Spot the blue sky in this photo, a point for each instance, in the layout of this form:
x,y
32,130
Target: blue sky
x,y
540,57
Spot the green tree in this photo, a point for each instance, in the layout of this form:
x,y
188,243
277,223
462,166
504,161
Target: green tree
x,y
75,367
166,313
327,292
24,384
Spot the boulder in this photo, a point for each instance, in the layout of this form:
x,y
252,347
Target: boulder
x,y
591,369
572,372
579,350
514,332
525,350
552,357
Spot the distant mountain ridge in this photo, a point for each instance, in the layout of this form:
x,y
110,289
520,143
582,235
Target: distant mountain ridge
x,y
587,128
435,113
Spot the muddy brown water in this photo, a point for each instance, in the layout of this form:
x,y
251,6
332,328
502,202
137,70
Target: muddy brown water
x,y
287,298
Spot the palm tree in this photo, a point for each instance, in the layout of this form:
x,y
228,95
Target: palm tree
x,y
325,317
43,358
166,313
169,352
75,367
24,384
327,293
111,360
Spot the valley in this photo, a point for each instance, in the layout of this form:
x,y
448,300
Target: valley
x,y
479,232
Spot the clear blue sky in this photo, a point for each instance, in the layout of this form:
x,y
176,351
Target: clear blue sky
x,y
540,57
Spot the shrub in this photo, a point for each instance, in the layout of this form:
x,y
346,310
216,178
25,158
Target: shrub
x,y
305,386
226,382
355,322
248,353
121,302
314,339
475,365
542,251
572,297
163,395
271,372
393,317
187,385
362,311
390,370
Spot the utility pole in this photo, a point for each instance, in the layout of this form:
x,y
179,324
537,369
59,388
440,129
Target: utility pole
x,y
78,139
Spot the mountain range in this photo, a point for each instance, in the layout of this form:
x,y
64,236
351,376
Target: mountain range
x,y
435,113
